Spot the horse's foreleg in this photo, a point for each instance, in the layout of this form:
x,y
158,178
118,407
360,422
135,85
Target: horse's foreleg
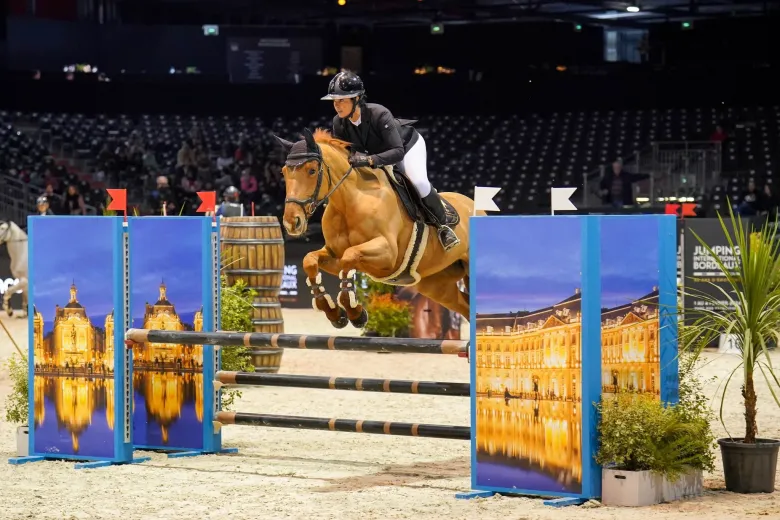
x,y
7,301
22,286
374,255
322,301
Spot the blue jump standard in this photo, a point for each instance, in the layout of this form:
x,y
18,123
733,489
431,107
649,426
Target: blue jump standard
x,y
182,454
553,502
79,465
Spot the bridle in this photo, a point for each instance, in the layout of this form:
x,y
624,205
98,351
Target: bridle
x,y
7,232
312,204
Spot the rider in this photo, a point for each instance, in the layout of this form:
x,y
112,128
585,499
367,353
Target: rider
x,y
231,207
386,141
43,206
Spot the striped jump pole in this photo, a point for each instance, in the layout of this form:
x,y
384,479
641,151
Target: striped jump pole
x,y
260,339
343,425
393,386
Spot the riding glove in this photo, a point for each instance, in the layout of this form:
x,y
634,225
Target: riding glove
x,y
358,160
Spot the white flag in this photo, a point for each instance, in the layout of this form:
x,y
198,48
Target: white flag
x,y
560,199
483,198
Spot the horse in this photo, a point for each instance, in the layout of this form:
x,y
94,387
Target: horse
x,y
373,223
16,241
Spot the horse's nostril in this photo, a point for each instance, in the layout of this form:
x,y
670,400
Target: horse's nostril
x,y
297,222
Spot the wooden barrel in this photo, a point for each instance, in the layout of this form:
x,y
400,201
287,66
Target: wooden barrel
x,y
252,249
267,360
267,317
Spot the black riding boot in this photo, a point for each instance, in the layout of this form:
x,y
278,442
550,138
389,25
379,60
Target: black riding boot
x,y
435,205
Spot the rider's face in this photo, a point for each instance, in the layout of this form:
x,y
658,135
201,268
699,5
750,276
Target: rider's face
x,y
343,106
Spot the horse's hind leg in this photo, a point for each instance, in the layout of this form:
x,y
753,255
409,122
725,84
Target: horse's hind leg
x,y
442,288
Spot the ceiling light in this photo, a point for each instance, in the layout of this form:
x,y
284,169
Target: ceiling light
x,y
632,9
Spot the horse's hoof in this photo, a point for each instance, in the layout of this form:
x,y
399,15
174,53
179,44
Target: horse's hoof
x,y
361,320
342,321
10,312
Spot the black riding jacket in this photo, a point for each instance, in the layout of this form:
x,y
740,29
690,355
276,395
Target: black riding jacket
x,y
379,134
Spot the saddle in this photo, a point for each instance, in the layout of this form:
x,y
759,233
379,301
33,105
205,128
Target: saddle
x,y
413,204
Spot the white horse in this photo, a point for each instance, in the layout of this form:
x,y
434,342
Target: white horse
x,y
16,240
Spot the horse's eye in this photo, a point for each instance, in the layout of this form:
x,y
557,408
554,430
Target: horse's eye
x,y
312,171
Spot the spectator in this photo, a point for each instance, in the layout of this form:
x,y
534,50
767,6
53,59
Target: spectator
x,y
225,158
161,197
752,202
43,206
189,182
74,202
617,186
248,185
719,135
185,157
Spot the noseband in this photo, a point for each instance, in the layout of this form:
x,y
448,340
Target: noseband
x,y
312,204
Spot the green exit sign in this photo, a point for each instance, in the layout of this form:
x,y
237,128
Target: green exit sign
x,y
437,28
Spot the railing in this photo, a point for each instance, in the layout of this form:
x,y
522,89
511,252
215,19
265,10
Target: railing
x,y
17,200
677,169
685,168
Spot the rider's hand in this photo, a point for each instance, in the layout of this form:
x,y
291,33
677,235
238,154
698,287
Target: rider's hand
x,y
358,160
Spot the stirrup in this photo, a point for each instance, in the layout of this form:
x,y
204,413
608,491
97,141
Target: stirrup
x,y
447,237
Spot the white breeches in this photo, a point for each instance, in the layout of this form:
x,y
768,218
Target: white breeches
x,y
416,167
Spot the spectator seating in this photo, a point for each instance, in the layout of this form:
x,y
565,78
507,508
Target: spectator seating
x,y
525,155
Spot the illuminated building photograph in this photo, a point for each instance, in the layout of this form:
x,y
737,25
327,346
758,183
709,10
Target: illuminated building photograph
x,y
72,292
528,354
167,271
630,355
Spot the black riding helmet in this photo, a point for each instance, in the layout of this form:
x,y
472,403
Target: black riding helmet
x,y
346,85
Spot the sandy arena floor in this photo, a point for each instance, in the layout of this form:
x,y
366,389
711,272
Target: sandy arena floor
x,y
312,474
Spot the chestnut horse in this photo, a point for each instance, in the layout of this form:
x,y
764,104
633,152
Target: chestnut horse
x,y
368,228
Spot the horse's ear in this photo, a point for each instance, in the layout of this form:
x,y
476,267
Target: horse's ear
x,y
311,144
287,145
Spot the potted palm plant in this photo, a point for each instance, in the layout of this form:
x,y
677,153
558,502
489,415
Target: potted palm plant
x,y
749,310
17,403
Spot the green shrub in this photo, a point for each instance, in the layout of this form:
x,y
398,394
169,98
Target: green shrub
x,y
17,402
638,433
386,316
235,316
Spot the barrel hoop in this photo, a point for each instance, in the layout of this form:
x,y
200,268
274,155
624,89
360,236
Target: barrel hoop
x,y
244,241
264,288
267,322
254,271
274,223
266,305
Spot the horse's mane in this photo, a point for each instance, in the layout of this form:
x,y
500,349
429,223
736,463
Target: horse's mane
x,y
325,137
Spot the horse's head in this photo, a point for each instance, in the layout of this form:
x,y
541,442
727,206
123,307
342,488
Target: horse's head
x,y
307,179
5,231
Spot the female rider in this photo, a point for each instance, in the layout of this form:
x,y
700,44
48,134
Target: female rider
x,y
386,142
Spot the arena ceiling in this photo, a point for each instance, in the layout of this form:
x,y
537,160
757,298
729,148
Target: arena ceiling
x,y
631,14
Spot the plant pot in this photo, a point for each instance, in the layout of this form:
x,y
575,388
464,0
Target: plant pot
x,y
749,468
631,488
645,488
690,484
22,441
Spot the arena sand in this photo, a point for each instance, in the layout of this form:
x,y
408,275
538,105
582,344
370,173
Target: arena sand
x,y
325,475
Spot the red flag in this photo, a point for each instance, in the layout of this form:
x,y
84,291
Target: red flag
x,y
118,200
208,201
681,210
